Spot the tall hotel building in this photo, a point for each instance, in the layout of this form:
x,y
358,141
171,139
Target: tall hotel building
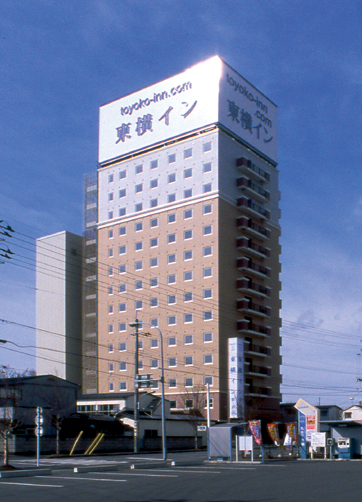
x,y
186,235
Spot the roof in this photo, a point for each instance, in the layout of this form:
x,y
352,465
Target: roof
x,y
35,380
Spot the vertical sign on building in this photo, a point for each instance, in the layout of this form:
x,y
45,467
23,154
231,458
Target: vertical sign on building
x,y
236,377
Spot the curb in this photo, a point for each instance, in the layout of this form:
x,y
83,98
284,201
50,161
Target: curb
x,y
185,463
149,465
25,473
99,468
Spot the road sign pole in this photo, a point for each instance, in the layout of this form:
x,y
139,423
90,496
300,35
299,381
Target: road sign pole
x,y
38,432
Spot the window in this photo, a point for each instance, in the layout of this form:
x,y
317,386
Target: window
x,y
171,279
122,231
122,307
206,147
110,290
154,203
122,269
110,253
188,276
208,359
171,218
121,211
172,383
110,234
110,387
154,363
110,328
122,346
189,382
207,293
139,188
122,326
138,285
110,215
173,404
171,299
110,367
154,302
187,318
187,234
189,403
171,341
171,178
138,207
187,153
138,226
207,209
188,173
154,183
154,242
207,187
188,297
207,337
171,158
140,344
188,255
154,262
110,271
154,322
171,320
172,361
171,238
139,169
207,251
122,366
110,347
110,178
207,272
208,315
206,167
122,249
208,380
138,304
171,258
122,174
211,402
138,265
171,198
138,246
188,339
154,385
153,282
122,386
207,230
154,222
154,343
122,193
154,164
188,193
110,309
110,196
187,214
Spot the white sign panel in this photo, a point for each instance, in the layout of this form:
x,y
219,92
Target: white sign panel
x,y
236,377
318,439
208,93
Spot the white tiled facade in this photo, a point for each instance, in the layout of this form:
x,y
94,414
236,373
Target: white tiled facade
x,y
188,235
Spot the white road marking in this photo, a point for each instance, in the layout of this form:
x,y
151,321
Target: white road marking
x,y
77,478
30,484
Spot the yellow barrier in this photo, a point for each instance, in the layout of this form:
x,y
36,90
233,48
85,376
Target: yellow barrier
x,y
75,442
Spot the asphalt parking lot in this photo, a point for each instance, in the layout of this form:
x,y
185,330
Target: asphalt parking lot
x,y
189,480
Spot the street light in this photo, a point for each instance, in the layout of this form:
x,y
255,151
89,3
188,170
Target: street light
x,y
136,325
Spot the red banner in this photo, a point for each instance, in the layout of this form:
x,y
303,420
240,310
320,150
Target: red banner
x,y
255,427
274,433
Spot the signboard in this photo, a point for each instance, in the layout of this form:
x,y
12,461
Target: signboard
x,y
208,93
311,415
318,439
236,376
245,443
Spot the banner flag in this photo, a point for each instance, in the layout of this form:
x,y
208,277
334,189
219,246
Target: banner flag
x,y
255,427
274,433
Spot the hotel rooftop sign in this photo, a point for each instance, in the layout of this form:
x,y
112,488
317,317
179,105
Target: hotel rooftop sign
x,y
208,93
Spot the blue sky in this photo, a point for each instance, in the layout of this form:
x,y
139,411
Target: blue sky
x,y
61,60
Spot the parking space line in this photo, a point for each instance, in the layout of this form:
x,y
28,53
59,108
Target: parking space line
x,y
77,478
29,484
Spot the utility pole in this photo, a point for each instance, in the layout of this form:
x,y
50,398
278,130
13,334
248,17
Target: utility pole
x,y
136,324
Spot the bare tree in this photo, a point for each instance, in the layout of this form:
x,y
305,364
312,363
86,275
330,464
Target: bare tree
x,y
194,403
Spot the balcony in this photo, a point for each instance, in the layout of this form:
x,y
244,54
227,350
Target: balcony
x,y
253,209
252,228
260,371
246,166
254,249
252,189
252,390
250,287
251,308
247,265
247,328
257,350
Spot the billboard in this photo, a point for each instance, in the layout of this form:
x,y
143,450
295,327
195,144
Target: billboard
x,y
236,377
208,93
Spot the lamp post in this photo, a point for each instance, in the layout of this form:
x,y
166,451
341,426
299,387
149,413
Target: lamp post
x,y
136,325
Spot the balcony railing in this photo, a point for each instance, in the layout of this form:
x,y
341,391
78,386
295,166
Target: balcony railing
x,y
257,349
242,162
246,305
249,224
245,183
245,203
252,328
245,243
257,391
257,370
247,264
